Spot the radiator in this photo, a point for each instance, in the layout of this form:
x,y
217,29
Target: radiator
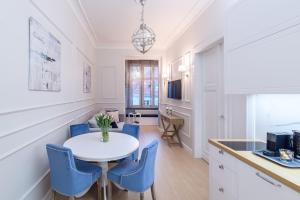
x,y
147,112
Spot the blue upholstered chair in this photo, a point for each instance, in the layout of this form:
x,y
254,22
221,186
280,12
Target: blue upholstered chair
x,y
70,177
133,130
137,176
79,129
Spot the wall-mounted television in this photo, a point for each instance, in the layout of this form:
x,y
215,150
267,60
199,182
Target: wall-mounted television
x,y
174,89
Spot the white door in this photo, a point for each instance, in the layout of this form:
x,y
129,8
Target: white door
x,y
213,96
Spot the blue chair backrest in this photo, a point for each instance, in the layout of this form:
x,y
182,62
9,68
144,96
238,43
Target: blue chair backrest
x,y
148,163
62,164
132,129
79,129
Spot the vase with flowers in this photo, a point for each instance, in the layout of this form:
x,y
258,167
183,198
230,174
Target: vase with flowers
x,y
104,122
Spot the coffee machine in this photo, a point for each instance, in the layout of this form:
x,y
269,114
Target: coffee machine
x,y
276,141
296,144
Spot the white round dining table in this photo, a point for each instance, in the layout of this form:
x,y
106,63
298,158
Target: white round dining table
x,y
89,147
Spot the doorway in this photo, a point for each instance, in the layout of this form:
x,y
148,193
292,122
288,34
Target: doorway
x,y
213,98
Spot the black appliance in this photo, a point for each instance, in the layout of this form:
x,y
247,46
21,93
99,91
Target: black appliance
x,y
276,141
244,145
174,89
296,144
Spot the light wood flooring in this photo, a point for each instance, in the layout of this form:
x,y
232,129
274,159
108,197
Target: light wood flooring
x,y
178,175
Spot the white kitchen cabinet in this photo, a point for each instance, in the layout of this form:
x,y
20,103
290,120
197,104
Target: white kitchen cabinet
x,y
232,179
262,45
254,184
250,20
222,176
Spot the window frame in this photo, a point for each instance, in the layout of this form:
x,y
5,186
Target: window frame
x,y
143,64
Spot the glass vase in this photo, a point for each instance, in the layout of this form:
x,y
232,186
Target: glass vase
x,y
105,134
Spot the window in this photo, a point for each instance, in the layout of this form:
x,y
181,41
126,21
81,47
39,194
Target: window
x,y
142,83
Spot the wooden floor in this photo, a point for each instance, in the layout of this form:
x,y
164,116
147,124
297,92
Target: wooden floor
x,y
178,175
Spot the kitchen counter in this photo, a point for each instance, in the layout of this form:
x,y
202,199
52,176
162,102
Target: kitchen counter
x,y
287,176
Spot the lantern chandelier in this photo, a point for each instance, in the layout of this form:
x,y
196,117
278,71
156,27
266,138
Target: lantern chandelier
x,y
144,38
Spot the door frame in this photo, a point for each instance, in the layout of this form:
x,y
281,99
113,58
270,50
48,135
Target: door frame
x,y
198,98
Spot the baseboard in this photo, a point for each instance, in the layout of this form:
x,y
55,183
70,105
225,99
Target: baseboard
x,y
38,182
48,195
187,148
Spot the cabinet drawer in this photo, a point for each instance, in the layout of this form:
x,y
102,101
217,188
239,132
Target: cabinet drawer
x,y
223,157
218,192
225,179
251,180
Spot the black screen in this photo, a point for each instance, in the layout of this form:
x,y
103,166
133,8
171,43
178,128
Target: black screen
x,y
174,89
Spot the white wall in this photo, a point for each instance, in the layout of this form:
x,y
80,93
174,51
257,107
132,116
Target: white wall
x,y
207,29
275,112
111,75
31,119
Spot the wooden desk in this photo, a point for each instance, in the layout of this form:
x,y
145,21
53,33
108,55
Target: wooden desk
x,y
174,122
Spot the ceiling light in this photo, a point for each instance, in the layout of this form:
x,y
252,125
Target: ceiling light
x,y
144,38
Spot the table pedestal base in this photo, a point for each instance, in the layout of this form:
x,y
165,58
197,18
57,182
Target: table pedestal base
x,y
106,194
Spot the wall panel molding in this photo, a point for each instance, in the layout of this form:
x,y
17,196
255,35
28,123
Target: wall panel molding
x,y
20,147
35,185
188,116
177,106
110,103
61,31
42,121
50,20
30,120
42,106
48,195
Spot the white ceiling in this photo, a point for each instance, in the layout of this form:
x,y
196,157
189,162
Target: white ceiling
x,y
113,21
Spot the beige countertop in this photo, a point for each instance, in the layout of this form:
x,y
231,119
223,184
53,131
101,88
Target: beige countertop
x,y
287,176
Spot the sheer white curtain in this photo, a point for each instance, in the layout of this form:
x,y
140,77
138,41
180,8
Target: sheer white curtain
x,y
142,82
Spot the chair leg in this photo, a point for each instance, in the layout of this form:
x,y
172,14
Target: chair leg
x,y
109,190
153,192
99,190
54,195
142,196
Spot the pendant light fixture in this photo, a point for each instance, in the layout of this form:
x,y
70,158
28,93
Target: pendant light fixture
x,y
144,38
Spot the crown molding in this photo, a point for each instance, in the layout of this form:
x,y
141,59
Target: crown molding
x,y
120,46
189,19
87,20
80,15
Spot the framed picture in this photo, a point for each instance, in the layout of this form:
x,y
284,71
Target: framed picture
x,y
44,59
87,82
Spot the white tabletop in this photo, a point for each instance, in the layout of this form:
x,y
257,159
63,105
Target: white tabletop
x,y
88,146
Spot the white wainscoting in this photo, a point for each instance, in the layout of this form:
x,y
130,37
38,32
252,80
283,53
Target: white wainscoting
x,y
186,132
23,153
32,119
186,129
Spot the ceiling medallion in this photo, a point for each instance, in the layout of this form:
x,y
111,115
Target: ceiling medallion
x,y
144,38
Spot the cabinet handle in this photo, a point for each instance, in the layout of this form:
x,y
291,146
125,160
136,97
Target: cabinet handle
x,y
221,166
221,151
221,190
267,180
